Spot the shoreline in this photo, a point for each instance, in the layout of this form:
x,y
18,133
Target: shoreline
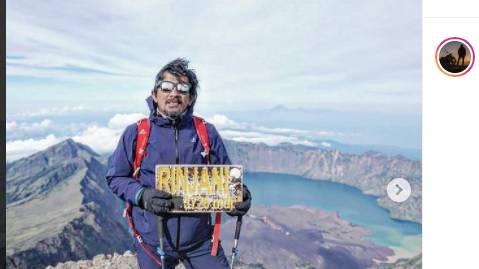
x,y
415,248
377,198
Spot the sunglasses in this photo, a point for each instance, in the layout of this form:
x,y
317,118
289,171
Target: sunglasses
x,y
168,86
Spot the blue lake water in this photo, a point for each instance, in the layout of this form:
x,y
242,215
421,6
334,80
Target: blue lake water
x,y
286,190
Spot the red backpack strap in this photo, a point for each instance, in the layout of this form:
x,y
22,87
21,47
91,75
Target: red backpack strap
x,y
216,234
202,131
143,133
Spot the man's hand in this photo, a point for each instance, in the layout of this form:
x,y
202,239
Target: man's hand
x,y
156,202
243,207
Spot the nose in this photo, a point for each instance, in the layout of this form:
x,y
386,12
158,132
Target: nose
x,y
175,91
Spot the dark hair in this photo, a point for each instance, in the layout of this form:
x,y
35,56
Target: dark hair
x,y
179,67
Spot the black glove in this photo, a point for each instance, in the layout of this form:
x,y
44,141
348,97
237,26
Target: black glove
x,y
243,207
156,202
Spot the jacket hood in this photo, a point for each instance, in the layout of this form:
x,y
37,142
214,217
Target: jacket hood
x,y
151,105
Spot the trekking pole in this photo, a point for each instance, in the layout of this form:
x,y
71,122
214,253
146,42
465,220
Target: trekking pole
x,y
235,252
161,234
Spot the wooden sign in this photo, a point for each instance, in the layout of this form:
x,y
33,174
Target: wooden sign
x,y
204,188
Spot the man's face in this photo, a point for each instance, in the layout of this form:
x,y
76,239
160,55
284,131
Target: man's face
x,y
172,103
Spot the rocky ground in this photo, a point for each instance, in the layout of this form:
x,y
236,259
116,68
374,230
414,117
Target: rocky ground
x,y
125,261
409,263
128,261
278,237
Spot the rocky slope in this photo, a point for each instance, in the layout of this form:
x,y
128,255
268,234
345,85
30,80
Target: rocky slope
x,y
278,237
59,208
370,172
128,261
410,263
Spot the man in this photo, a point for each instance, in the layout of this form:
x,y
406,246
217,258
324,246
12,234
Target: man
x,y
173,140
462,54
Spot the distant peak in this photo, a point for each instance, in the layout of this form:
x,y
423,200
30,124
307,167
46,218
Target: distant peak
x,y
68,141
68,148
280,107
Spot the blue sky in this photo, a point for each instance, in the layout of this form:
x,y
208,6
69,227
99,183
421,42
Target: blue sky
x,y
354,61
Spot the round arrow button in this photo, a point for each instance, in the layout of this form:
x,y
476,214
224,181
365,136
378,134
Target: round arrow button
x,y
399,190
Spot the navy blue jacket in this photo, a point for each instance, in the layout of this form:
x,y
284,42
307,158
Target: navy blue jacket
x,y
182,230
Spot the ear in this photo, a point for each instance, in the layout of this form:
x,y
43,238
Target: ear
x,y
153,95
192,99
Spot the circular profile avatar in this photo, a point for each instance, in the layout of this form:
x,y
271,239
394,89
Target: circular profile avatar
x,y
455,56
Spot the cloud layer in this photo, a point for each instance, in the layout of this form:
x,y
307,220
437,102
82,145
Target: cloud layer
x,y
104,138
21,148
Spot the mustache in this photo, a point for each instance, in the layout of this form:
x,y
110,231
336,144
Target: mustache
x,y
174,99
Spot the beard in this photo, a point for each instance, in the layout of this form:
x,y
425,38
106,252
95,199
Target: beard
x,y
173,108
174,114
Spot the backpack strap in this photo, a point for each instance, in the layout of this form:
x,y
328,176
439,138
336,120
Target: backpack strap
x,y
143,133
202,131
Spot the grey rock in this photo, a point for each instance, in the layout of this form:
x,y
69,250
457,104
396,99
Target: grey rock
x,y
277,237
300,237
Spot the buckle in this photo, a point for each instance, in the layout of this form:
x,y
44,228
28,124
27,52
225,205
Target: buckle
x,y
136,171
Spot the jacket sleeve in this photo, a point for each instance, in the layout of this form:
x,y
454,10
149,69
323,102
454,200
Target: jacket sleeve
x,y
119,173
218,154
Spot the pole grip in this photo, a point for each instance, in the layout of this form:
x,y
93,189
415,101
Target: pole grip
x,y
161,231
239,221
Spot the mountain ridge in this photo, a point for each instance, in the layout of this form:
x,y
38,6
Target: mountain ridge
x,y
60,208
72,175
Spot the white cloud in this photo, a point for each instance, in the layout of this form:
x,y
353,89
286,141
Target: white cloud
x,y
246,132
105,138
11,125
22,148
120,121
101,139
28,129
268,139
223,122
284,131
326,144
